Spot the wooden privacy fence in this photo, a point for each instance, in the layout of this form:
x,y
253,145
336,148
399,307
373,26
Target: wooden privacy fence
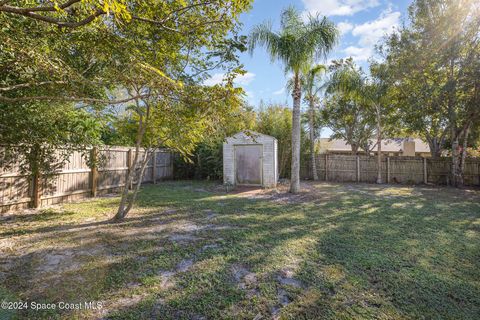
x,y
409,170
77,180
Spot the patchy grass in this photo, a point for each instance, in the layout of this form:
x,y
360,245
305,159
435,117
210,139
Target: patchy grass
x,y
190,251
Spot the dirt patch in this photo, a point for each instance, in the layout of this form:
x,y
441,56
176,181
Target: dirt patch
x,y
210,214
245,280
182,238
286,278
166,279
184,265
283,301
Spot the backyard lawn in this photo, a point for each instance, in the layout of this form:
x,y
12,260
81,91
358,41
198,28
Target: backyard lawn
x,y
191,251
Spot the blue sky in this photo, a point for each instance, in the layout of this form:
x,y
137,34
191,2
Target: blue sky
x,y
362,24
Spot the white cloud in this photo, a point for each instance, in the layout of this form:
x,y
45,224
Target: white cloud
x,y
338,7
279,91
245,79
344,27
370,33
358,53
218,78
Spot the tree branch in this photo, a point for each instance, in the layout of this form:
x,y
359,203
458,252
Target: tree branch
x,y
30,14
27,85
72,99
19,10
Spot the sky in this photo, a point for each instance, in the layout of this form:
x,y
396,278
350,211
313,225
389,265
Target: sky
x,y
362,24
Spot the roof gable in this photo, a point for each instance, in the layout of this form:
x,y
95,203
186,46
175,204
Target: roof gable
x,y
250,135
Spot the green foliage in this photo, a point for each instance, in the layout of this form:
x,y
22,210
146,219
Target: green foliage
x,y
349,121
360,104
42,136
346,112
206,161
127,39
276,121
149,54
433,64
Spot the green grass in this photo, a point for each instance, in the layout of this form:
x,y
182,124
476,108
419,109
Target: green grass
x,y
356,252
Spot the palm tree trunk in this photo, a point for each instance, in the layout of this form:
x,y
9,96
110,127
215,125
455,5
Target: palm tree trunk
x,y
295,174
311,121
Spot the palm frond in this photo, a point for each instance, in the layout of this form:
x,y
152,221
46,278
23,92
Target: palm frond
x,y
321,34
297,44
291,21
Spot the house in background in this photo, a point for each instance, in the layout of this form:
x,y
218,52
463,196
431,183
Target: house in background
x,y
406,147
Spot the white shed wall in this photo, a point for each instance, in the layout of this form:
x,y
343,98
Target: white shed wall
x,y
269,163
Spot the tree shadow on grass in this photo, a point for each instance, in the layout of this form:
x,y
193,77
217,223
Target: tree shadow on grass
x,y
356,256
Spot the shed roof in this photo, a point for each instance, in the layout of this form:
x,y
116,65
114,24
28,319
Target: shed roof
x,y
250,133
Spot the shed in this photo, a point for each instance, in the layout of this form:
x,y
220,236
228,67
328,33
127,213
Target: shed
x,y
250,158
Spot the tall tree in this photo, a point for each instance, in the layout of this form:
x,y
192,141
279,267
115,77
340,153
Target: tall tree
x,y
152,54
348,120
416,91
311,83
296,44
371,92
446,35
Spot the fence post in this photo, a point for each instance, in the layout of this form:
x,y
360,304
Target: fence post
x,y
129,165
425,176
36,191
358,168
326,167
154,168
94,171
388,169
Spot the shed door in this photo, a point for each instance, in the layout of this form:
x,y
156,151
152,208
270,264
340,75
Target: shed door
x,y
248,164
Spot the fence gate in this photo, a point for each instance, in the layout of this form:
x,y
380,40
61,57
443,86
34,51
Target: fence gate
x,y
248,164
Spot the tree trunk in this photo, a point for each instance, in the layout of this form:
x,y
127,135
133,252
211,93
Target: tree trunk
x,y
126,201
133,198
354,149
456,176
295,174
379,147
464,151
434,145
311,121
459,179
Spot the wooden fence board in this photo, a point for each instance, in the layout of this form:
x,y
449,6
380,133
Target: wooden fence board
x,y
74,180
404,170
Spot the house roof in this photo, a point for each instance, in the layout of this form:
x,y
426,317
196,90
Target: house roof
x,y
388,145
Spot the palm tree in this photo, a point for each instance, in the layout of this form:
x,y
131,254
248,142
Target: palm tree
x,y
312,87
297,44
310,79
